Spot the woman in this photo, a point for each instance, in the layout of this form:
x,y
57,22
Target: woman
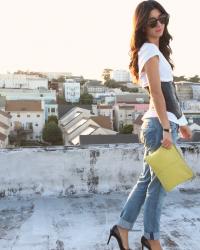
x,y
152,67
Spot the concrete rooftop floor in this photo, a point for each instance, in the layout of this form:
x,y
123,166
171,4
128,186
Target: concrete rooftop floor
x,y
83,222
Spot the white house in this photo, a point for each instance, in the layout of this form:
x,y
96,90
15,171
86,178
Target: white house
x,y
121,75
22,81
5,124
48,96
28,115
95,88
124,115
72,90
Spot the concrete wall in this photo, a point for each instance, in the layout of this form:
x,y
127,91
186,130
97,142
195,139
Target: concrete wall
x,y
59,171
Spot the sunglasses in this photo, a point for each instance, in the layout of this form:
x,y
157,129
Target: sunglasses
x,y
163,19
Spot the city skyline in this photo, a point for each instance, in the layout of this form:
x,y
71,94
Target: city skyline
x,y
84,37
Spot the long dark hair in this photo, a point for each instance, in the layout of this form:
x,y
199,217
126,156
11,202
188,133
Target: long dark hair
x,y
138,37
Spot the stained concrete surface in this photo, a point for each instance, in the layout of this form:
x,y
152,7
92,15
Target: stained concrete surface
x,y
83,222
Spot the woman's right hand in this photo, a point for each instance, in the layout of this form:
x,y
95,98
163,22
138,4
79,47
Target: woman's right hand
x,y
167,140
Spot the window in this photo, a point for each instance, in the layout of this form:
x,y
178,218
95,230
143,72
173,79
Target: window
x,y
18,115
36,125
38,115
28,116
53,110
87,131
29,125
76,125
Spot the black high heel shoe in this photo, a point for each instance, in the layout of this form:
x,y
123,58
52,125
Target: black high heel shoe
x,y
115,232
145,243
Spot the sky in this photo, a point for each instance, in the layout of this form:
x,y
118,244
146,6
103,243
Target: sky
x,y
85,36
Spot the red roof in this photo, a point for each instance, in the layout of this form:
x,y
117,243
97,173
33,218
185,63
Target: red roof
x,y
23,105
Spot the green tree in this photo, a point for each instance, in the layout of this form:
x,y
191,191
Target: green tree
x,y
134,90
126,129
111,83
86,98
82,82
53,118
180,78
106,74
195,78
52,133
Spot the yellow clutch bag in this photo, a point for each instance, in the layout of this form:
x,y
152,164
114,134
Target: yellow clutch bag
x,y
169,166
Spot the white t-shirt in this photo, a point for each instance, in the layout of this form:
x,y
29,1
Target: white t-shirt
x,y
147,51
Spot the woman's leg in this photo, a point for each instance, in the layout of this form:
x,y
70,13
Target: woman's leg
x,y
135,200
147,188
153,203
133,205
137,196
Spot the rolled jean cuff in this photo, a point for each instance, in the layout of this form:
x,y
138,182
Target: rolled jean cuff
x,y
124,224
152,236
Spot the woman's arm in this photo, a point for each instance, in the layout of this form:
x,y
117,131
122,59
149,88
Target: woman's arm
x,y
151,68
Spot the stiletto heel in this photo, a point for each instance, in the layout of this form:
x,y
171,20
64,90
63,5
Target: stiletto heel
x,y
115,233
109,237
145,243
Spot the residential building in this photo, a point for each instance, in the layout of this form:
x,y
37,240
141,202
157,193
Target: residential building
x,y
80,122
120,75
28,94
131,98
184,91
140,101
51,108
63,109
196,91
109,99
27,115
103,110
5,126
191,106
72,90
124,115
103,121
22,81
48,97
94,88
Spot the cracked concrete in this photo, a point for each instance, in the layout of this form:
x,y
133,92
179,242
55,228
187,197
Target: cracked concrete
x,y
67,199
83,222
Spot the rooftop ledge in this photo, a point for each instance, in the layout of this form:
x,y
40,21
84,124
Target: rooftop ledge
x,y
64,198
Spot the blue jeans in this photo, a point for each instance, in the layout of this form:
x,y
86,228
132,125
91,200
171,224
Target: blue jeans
x,y
148,189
